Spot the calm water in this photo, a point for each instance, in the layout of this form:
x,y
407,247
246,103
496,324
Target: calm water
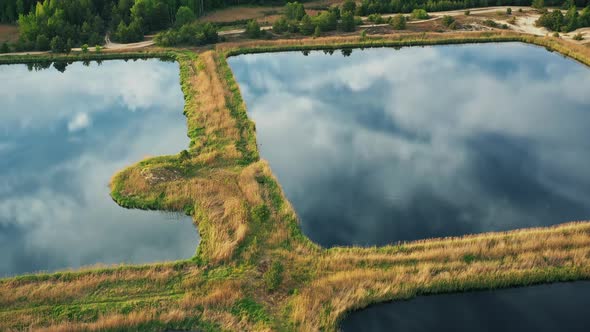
x,y
547,308
63,134
387,145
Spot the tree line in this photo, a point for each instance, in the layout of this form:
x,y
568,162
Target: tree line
x,y
367,7
573,19
296,19
61,24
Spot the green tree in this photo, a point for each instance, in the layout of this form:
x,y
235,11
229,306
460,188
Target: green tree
x,y
571,19
349,6
57,45
69,45
448,20
317,32
253,29
4,48
347,22
42,43
420,14
84,48
294,11
280,26
538,4
307,27
184,15
20,7
327,21
399,22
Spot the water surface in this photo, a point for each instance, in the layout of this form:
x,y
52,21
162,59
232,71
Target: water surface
x,y
386,145
546,308
63,133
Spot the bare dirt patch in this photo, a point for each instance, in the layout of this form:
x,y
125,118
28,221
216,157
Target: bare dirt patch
x,y
8,33
240,13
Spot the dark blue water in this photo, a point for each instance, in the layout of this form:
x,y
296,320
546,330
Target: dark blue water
x,y
387,145
63,134
547,308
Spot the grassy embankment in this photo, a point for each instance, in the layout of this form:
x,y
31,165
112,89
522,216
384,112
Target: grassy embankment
x,y
254,269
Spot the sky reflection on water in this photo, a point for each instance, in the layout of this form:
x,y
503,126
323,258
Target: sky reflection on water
x,y
388,145
62,136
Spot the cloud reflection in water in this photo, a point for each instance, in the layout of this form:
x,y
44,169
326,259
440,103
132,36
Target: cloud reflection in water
x,y
389,145
62,136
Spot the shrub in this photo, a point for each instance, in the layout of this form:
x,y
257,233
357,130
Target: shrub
x,y
509,11
556,34
349,6
448,20
42,43
274,276
253,29
512,20
327,21
467,13
420,14
4,48
538,4
280,26
399,22
84,48
189,34
376,18
491,23
347,24
57,45
358,20
184,16
98,48
578,36
128,33
294,11
184,155
307,28
317,32
69,45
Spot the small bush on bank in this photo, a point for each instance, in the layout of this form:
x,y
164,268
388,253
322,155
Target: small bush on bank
x,y
420,14
399,22
4,48
189,34
253,29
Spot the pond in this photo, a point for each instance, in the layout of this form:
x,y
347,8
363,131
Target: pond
x,y
382,145
546,308
64,131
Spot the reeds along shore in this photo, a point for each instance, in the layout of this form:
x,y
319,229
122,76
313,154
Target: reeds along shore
x,y
247,227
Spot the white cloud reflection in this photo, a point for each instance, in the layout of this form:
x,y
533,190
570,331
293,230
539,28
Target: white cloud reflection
x,y
55,209
401,144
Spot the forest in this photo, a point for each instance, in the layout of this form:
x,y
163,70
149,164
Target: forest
x,y
59,25
556,21
367,7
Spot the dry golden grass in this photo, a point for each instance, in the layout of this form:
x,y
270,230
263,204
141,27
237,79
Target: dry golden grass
x,y
210,111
